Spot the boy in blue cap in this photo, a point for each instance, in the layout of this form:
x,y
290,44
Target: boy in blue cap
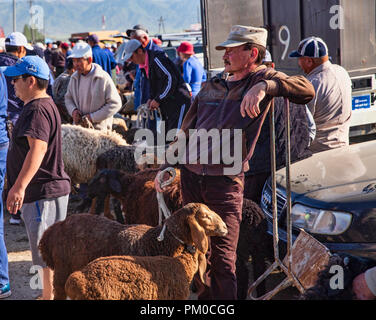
x,y
37,183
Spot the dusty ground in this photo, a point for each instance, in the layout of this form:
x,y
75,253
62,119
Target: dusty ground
x,y
20,264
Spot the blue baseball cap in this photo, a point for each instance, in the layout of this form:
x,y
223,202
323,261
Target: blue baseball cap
x,y
312,47
32,65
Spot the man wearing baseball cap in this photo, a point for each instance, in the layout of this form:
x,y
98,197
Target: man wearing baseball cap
x,y
238,100
91,91
193,71
141,82
332,105
168,91
15,47
100,56
38,185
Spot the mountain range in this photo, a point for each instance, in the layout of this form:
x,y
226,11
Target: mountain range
x,y
63,17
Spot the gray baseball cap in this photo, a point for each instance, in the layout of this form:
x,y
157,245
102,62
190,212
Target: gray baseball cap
x,y
130,47
137,27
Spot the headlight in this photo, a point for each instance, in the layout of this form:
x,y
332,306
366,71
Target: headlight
x,y
320,221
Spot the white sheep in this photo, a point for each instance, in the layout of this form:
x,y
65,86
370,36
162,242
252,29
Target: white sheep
x,y
81,148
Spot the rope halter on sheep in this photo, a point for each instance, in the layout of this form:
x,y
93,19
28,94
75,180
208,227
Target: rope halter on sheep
x,y
162,207
143,112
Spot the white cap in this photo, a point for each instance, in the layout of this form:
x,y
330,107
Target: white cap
x,y
107,45
81,50
17,39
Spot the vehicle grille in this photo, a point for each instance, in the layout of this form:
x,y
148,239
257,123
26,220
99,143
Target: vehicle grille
x,y
266,201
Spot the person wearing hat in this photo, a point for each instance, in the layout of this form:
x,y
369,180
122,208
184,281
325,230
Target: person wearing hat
x,y
38,184
60,88
16,47
58,58
141,83
236,100
4,143
332,105
168,91
91,91
100,56
193,71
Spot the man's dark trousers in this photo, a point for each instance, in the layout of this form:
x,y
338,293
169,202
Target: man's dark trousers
x,y
224,196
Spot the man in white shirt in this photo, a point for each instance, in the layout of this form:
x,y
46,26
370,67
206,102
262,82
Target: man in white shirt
x,y
91,91
331,107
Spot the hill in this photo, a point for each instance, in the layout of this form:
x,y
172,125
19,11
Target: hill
x,y
63,17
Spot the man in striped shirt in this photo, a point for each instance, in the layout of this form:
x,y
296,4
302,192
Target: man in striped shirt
x,y
168,91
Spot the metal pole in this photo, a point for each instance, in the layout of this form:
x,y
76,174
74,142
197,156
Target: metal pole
x,y
288,185
14,15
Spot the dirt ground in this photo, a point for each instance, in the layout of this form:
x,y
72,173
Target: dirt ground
x,y
23,278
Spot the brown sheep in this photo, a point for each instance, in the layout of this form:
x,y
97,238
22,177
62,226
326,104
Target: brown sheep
x,y
145,278
136,193
69,245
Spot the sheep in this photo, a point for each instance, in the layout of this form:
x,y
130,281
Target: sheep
x,y
81,148
144,278
127,187
253,241
69,245
351,266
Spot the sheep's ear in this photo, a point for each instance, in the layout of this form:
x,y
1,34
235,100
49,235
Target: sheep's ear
x,y
202,266
198,234
115,185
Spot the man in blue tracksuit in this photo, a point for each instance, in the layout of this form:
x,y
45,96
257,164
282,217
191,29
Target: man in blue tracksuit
x,y
168,91
100,56
141,82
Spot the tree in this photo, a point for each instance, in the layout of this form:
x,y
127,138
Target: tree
x,y
32,35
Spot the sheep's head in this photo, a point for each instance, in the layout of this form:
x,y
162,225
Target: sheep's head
x,y
196,215
193,224
106,182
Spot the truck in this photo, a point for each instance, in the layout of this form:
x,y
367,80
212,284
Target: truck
x,y
348,27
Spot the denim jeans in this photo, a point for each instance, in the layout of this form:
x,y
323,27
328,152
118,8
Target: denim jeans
x,y
4,276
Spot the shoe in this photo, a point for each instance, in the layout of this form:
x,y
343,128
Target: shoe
x,y
5,291
14,221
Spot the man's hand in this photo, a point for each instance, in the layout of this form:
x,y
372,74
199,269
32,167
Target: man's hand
x,y
15,199
153,105
77,116
250,104
360,288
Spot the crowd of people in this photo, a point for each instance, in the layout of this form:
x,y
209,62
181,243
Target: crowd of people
x,y
42,87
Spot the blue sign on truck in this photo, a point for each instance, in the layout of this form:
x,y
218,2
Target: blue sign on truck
x,y
361,102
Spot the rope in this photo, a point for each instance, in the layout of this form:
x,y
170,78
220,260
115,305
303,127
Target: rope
x,y
162,207
143,112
